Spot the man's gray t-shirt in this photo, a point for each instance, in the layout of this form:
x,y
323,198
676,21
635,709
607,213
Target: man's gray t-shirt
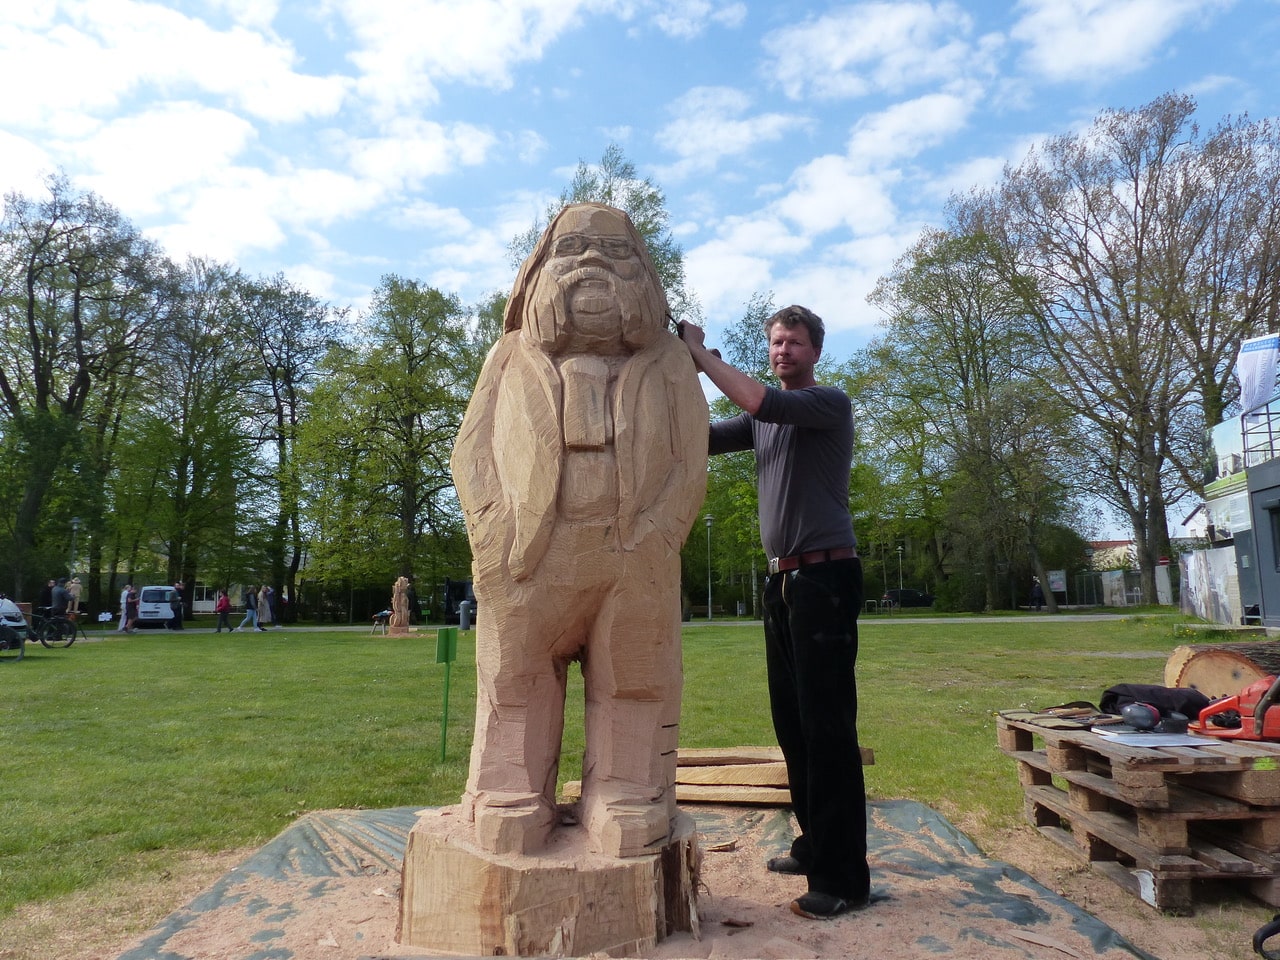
x,y
803,442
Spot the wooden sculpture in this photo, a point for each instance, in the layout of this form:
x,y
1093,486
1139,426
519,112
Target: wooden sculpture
x,y
580,466
400,607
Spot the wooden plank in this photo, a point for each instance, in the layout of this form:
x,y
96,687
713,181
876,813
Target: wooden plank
x,y
765,796
1225,861
709,793
716,756
740,774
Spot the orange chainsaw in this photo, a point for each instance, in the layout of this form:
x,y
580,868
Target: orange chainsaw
x,y
1253,714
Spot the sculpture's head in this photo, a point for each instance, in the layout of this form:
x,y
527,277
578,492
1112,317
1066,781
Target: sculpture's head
x,y
589,283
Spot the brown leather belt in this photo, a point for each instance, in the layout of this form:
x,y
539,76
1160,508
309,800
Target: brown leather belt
x,y
783,564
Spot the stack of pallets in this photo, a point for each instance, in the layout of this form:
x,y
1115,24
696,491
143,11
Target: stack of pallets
x,y
1155,819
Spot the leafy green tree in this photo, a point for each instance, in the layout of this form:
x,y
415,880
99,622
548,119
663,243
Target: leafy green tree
x,y
78,290
191,432
377,444
288,332
960,356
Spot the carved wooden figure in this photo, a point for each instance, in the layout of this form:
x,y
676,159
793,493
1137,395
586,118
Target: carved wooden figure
x,y
580,465
400,607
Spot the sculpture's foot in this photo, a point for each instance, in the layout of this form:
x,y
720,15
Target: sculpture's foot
x,y
629,829
512,823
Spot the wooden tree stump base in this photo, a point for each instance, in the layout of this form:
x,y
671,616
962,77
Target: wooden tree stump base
x,y
457,898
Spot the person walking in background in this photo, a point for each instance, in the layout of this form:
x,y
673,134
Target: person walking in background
x,y
60,599
74,589
130,609
223,609
264,606
124,607
175,607
250,609
1037,594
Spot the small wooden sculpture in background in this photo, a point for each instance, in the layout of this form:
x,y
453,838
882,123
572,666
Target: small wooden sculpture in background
x,y
400,607
580,466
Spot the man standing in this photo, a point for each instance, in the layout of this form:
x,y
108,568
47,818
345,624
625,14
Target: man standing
x,y
124,608
60,598
802,435
175,607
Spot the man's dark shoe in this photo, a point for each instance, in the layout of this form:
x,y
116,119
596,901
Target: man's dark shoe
x,y
786,864
822,906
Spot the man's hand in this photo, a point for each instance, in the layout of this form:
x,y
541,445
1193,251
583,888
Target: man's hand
x,y
743,390
696,339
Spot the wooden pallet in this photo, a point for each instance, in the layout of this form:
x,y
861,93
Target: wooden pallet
x,y
1154,819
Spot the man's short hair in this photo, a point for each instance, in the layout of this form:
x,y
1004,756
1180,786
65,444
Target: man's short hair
x,y
793,315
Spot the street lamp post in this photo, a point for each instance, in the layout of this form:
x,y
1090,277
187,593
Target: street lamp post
x,y
71,564
899,575
708,518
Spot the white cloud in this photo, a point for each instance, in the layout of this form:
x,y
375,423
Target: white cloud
x,y
322,284
223,221
23,165
111,50
406,50
185,144
1092,39
686,19
726,270
856,50
836,285
904,129
257,14
412,149
835,192
712,122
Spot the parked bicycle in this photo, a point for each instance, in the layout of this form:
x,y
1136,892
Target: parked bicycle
x,y
54,629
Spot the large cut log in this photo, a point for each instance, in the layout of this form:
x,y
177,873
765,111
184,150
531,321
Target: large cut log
x,y
1221,669
461,900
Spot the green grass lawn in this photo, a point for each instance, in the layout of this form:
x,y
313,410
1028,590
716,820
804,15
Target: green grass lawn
x,y
121,754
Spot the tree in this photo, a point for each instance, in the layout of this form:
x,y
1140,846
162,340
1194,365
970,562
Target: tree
x,y
959,353
189,439
288,331
1144,254
78,291
378,442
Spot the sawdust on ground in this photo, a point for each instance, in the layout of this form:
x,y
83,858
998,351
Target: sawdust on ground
x,y
743,912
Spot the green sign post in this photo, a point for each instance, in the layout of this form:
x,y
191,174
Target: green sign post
x,y
446,653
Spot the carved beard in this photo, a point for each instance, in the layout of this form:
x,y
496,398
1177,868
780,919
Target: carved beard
x,y
547,319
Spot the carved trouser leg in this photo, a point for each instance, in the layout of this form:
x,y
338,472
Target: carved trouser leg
x,y
515,754
633,683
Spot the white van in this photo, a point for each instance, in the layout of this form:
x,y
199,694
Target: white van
x,y
153,606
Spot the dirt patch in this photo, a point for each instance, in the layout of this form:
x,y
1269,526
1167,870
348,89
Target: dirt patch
x,y
743,911
98,924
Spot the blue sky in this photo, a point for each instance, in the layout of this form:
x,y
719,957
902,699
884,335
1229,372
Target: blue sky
x,y
801,146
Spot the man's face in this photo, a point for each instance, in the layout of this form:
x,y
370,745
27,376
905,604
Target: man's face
x,y
792,355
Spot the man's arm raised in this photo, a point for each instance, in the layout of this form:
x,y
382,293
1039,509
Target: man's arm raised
x,y
743,390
